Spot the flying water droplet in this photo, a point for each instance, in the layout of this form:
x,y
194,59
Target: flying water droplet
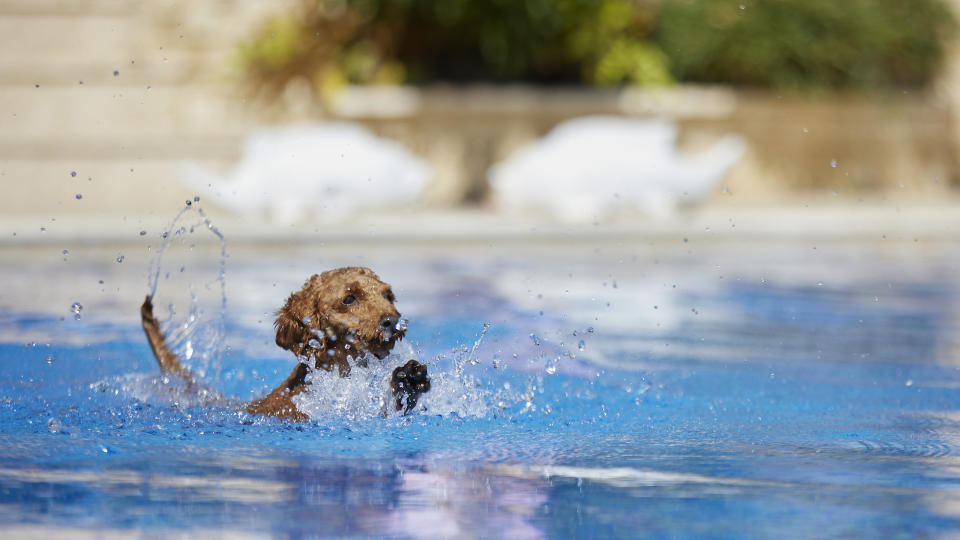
x,y
833,163
120,258
582,345
76,308
50,359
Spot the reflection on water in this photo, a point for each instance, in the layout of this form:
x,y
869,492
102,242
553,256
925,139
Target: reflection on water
x,y
659,390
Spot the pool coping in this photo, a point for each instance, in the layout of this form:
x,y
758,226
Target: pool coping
x,y
842,222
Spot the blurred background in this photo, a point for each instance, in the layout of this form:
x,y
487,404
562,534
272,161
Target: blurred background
x,y
302,115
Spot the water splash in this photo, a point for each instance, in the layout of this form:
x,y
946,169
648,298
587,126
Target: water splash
x,y
470,358
195,300
194,327
160,387
366,393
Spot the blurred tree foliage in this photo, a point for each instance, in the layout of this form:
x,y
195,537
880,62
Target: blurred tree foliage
x,y
335,42
767,43
805,44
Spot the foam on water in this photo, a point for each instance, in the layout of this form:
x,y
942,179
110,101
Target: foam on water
x,y
163,388
366,393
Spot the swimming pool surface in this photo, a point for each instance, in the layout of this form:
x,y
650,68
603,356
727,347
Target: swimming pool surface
x,y
647,387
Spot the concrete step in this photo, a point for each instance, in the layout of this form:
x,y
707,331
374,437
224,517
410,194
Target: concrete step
x,y
28,113
50,42
172,147
75,8
46,189
53,38
897,230
18,71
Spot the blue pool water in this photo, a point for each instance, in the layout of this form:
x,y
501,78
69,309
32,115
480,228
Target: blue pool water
x,y
625,387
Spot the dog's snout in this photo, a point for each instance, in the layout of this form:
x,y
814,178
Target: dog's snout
x,y
388,322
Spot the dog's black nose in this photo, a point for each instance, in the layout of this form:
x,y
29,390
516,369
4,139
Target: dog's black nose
x,y
389,322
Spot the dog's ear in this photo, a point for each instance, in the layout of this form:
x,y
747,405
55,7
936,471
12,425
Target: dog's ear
x,y
293,319
291,333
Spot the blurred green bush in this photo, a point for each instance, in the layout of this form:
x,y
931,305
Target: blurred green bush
x,y
336,42
805,44
810,44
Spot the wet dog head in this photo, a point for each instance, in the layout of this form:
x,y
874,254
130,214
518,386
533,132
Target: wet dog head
x,y
338,314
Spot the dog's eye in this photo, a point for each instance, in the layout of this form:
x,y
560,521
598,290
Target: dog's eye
x,y
389,296
349,299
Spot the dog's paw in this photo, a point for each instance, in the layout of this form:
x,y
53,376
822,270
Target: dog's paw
x,y
409,382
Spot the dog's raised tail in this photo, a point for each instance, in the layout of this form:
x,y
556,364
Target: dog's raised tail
x,y
169,363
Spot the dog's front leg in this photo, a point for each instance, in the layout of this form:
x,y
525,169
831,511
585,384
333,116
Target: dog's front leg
x,y
409,382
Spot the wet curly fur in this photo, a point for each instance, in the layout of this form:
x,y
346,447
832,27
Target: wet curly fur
x,y
336,317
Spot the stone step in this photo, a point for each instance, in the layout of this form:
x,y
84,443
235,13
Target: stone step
x,y
151,68
135,64
195,148
53,38
154,43
109,112
74,8
48,190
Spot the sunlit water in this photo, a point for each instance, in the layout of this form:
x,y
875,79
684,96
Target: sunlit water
x,y
661,387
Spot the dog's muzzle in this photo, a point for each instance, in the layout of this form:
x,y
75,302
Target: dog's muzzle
x,y
391,325
391,330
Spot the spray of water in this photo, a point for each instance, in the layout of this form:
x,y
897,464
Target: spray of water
x,y
191,290
366,392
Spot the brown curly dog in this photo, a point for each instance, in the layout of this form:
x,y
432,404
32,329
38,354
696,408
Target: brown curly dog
x,y
336,317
